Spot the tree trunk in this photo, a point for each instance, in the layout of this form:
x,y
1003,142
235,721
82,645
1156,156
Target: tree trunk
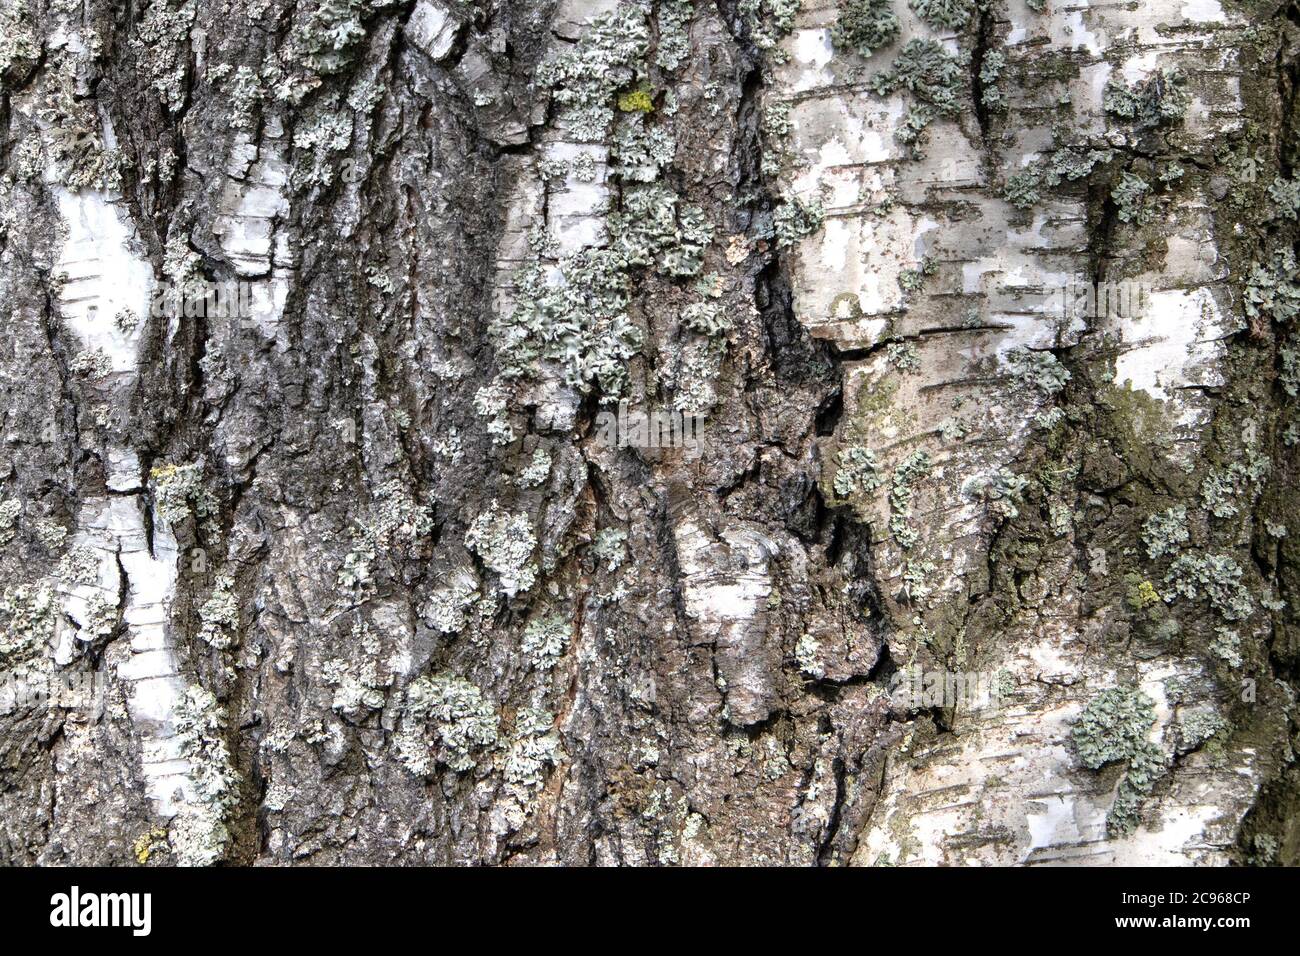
x,y
618,432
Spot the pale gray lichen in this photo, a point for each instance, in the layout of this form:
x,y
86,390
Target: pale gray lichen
x,y
178,490
538,470
654,229
1130,198
991,94
639,150
159,46
1042,371
1159,100
1217,576
865,26
856,472
18,40
9,512
796,218
1225,488
358,688
932,75
505,542
1226,645
491,402
768,22
807,654
610,548
445,609
464,724
902,486
1273,289
219,615
534,746
77,151
944,14
545,639
29,615
584,79
579,322
1115,726
198,834
1165,532
674,17
1002,490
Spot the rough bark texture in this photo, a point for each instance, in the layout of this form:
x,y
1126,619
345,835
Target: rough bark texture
x,y
356,576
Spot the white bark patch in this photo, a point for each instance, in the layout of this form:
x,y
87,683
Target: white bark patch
x,y
431,29
725,584
254,207
114,529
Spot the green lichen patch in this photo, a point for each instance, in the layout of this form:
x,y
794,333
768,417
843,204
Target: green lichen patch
x,y
1273,288
856,472
902,487
933,76
464,724
1159,100
505,542
179,490
796,218
1114,728
944,15
545,639
585,79
198,834
1217,577
865,26
1166,532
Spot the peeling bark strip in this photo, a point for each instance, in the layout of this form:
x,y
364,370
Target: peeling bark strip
x,y
983,319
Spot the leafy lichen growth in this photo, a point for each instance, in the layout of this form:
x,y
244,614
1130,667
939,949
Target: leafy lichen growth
x,y
545,639
1130,197
1114,727
674,41
1041,371
865,26
1159,100
932,75
768,22
464,724
579,322
534,746
198,834
1273,289
585,78
944,14
1002,490
991,94
219,615
1218,577
505,542
796,218
856,473
159,48
610,548
29,616
901,489
1165,532
538,470
77,151
180,488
